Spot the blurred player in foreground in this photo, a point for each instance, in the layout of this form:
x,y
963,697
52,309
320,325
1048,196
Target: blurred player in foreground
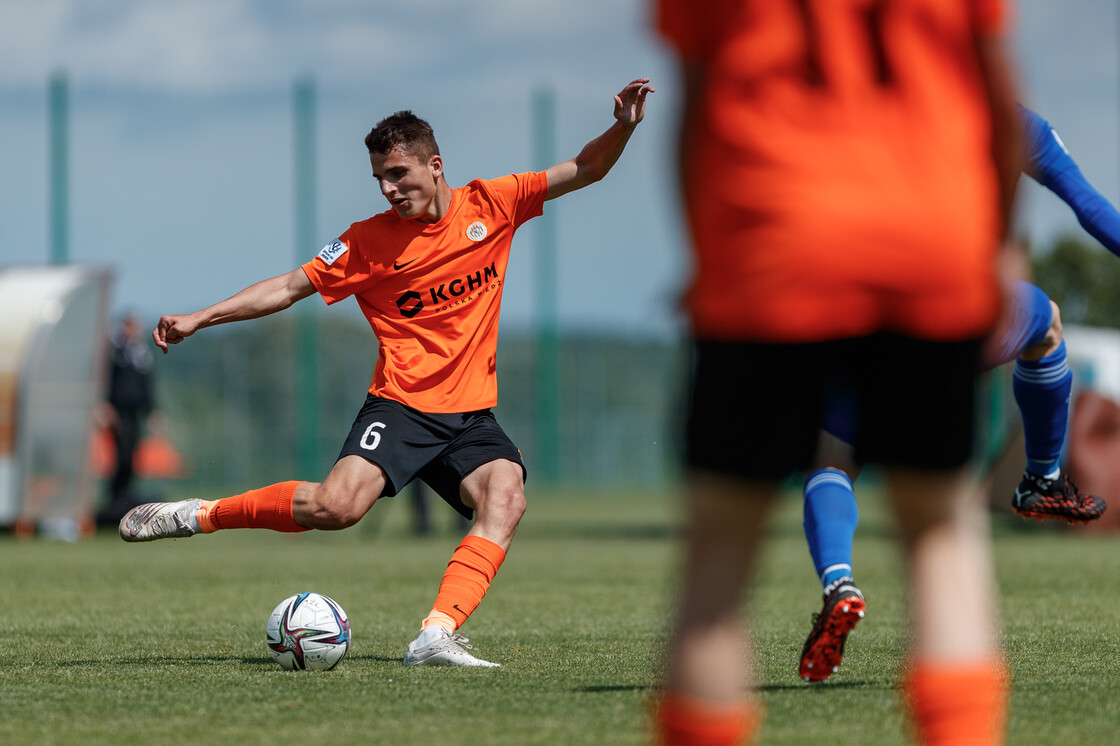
x,y
1032,336
847,170
428,274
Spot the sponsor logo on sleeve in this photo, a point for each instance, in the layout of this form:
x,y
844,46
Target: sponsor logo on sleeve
x,y
332,251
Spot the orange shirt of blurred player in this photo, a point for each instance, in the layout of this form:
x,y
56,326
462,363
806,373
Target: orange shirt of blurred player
x,y
432,292
838,176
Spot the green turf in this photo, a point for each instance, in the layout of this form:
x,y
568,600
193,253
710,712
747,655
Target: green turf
x,y
105,642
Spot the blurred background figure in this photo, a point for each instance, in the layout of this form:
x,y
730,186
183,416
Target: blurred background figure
x,y
128,410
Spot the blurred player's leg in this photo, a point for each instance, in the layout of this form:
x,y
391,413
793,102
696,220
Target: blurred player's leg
x,y
955,685
708,671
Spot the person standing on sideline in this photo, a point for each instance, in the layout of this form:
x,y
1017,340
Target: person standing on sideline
x,y
129,404
428,274
847,170
1030,335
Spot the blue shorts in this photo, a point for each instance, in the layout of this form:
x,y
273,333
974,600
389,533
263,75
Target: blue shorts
x,y
1028,323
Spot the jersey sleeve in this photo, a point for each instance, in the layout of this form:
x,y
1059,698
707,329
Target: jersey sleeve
x,y
1050,164
1046,154
520,196
339,270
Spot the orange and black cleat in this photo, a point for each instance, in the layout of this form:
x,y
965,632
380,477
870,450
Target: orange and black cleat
x,y
843,608
1038,497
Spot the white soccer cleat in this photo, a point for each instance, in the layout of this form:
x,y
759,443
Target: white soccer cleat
x,y
435,646
152,521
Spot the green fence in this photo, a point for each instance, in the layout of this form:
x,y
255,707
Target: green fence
x,y
232,403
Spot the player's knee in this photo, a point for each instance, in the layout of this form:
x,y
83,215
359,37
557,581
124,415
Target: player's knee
x,y
1053,339
1054,336
505,501
516,503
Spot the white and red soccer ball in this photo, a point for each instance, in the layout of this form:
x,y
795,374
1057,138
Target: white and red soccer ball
x,y
308,631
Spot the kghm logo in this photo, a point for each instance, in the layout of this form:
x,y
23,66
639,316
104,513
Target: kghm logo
x,y
410,304
447,295
476,231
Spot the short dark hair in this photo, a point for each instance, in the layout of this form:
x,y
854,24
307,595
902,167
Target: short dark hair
x,y
406,131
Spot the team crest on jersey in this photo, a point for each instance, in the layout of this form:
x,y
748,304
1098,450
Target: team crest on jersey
x,y
476,231
332,251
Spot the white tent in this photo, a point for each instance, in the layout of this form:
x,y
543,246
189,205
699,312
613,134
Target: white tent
x,y
1094,357
52,375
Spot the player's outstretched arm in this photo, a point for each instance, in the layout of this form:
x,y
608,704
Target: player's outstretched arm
x,y
263,298
599,155
1094,212
1053,167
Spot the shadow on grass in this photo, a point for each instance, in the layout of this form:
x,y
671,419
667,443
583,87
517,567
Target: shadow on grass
x,y
207,660
398,659
817,689
827,686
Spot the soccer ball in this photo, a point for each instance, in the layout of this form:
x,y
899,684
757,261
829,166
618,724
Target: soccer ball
x,y
308,631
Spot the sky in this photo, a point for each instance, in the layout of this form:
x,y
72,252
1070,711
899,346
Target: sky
x,y
181,134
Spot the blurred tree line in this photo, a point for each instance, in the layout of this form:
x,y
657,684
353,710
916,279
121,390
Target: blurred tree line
x,y
1083,279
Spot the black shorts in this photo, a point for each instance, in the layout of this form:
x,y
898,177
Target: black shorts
x,y
756,409
440,449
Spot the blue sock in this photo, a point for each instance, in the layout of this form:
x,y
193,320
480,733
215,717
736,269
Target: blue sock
x,y
831,517
1042,389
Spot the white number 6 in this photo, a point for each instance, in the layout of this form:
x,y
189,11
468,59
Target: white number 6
x,y
372,438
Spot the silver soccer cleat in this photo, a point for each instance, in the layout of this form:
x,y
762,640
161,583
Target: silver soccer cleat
x,y
152,521
437,647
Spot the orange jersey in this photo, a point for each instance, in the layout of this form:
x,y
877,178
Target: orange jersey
x,y
838,171
432,292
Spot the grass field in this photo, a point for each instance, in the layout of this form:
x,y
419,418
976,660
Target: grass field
x,y
105,642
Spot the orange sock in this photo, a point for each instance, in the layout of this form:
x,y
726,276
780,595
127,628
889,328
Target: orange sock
x,y
466,580
686,721
267,507
958,704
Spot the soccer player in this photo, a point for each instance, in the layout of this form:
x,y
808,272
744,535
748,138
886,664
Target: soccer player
x,y
428,274
847,169
1032,336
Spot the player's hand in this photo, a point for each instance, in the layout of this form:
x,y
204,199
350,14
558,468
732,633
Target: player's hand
x,y
171,330
630,103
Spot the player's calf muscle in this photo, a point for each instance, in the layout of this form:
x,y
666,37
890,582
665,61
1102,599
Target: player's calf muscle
x,y
320,507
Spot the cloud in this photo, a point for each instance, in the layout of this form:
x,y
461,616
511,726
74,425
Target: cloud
x,y
219,46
